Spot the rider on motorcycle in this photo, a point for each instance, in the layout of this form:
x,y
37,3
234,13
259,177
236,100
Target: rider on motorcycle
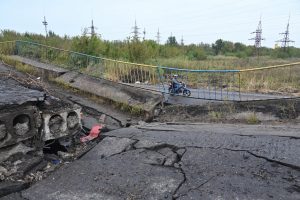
x,y
175,83
178,87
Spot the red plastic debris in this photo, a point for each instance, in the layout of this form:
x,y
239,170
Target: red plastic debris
x,y
94,133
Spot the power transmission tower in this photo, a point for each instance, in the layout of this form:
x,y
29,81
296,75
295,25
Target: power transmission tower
x,y
144,34
93,32
182,41
258,38
158,37
45,23
135,32
285,40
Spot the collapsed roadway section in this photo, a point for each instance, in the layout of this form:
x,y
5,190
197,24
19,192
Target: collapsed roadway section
x,y
30,120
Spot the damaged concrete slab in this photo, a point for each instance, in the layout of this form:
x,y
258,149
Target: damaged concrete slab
x,y
59,118
48,70
281,149
109,146
19,117
134,163
129,175
15,94
30,121
146,100
215,173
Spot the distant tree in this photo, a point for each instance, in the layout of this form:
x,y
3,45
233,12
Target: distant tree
x,y
51,34
219,44
136,51
172,41
239,47
227,47
195,52
88,45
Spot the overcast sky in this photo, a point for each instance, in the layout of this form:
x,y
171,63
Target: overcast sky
x,y
196,20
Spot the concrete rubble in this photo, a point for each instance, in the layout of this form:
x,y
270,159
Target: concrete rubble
x,y
30,121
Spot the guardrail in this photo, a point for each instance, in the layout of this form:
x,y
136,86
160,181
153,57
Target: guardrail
x,y
235,85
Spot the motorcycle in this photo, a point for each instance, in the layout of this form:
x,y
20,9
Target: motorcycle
x,y
179,88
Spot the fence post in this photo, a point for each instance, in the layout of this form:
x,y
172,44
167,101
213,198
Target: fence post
x,y
17,48
239,86
160,80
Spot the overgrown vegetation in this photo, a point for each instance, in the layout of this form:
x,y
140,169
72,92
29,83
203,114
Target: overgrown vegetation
x,y
19,65
219,54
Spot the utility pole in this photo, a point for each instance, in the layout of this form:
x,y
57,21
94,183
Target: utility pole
x,y
45,23
144,34
285,40
258,38
135,32
158,37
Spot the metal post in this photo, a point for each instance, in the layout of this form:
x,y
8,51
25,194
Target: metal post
x,y
240,86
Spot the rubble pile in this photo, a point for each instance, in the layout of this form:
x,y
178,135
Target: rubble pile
x,y
37,133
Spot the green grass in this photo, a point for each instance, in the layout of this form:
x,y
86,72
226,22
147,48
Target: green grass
x,y
221,62
19,65
252,118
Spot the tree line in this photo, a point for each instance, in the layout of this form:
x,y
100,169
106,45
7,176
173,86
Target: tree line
x,y
134,50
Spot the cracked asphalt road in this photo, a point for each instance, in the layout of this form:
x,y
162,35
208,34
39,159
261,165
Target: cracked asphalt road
x,y
158,161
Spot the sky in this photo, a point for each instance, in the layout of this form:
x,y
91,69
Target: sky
x,y
195,21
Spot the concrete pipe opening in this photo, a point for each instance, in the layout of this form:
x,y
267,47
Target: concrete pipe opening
x,y
55,124
21,124
72,120
3,131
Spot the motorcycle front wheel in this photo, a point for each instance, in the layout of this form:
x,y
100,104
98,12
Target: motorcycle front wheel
x,y
187,93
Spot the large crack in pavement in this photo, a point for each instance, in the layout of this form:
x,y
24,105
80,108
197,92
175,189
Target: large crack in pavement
x,y
175,196
131,163
251,152
275,148
158,146
296,167
235,174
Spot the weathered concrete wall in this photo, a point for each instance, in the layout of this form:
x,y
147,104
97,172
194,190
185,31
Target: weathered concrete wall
x,y
46,71
144,99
